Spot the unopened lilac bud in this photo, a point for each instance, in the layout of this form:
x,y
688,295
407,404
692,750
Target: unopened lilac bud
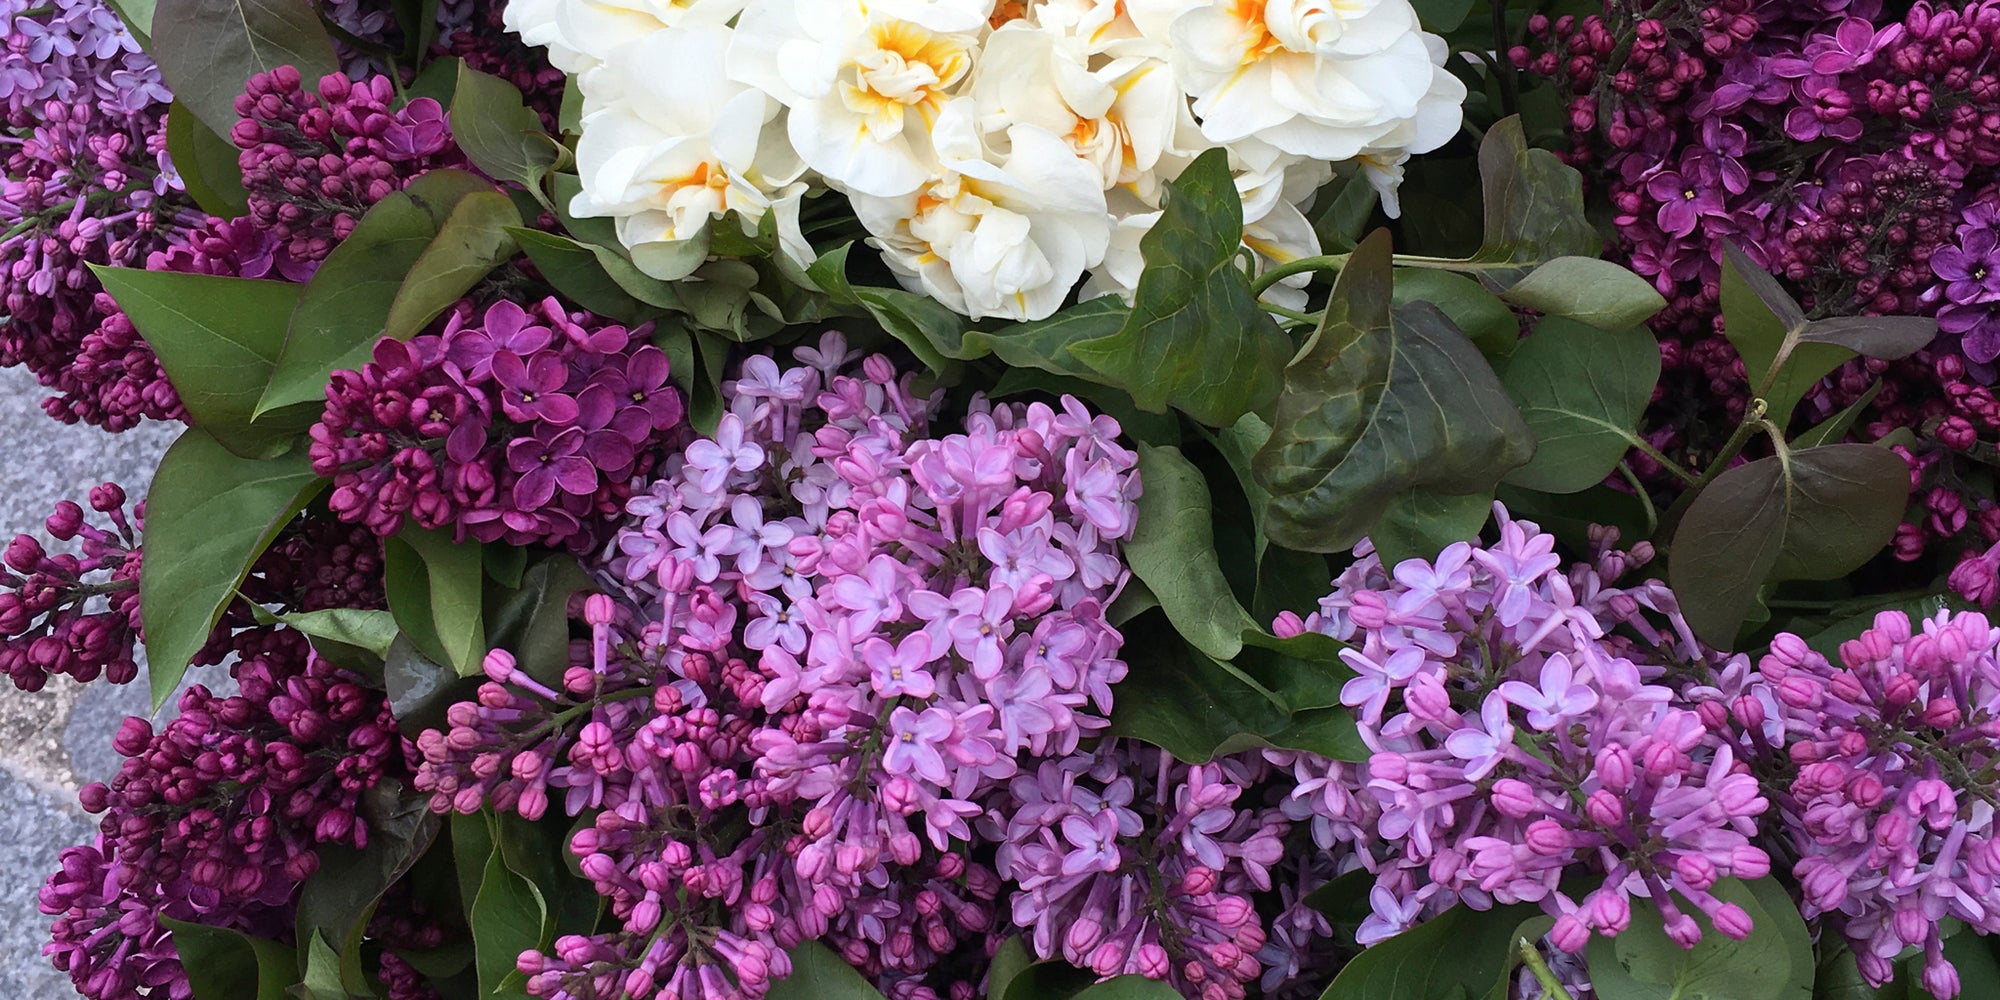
x,y
598,610
499,665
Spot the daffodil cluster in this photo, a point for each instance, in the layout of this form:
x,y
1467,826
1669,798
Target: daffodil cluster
x,y
998,153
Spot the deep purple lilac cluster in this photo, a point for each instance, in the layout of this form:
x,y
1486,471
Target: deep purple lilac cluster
x,y
86,182
1885,785
837,635
1523,733
314,163
217,817
510,424
1850,152
73,613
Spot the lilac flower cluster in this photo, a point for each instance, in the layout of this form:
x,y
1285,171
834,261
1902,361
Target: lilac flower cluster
x,y
1884,779
314,163
836,634
1129,862
86,182
512,424
1518,740
75,614
217,818
1849,152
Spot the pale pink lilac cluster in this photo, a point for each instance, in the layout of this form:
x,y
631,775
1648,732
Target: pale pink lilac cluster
x,y
833,632
1885,780
1524,732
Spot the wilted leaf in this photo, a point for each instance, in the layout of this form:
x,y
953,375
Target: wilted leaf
x,y
1582,392
1379,403
1196,338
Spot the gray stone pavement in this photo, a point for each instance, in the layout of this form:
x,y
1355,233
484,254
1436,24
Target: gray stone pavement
x,y
56,739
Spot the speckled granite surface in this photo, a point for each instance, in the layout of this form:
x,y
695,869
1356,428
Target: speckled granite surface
x,y
56,739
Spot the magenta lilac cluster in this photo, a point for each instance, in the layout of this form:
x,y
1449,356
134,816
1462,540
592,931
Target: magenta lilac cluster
x,y
523,425
1885,780
1850,151
315,162
1524,739
218,817
73,613
836,634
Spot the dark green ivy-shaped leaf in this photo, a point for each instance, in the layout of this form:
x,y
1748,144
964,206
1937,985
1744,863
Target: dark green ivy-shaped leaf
x,y
1581,391
499,133
818,973
1379,402
1774,963
207,163
210,514
1461,949
223,964
1196,338
416,235
209,49
1810,514
218,339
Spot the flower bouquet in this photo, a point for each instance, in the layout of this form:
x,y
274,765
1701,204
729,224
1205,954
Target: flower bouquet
x,y
1020,499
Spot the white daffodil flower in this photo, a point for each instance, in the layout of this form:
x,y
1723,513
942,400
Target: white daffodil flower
x,y
670,142
580,34
1005,236
863,86
1319,78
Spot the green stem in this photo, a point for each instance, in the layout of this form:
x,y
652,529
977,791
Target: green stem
x,y
1531,957
1325,262
1290,314
1679,471
1510,92
1639,490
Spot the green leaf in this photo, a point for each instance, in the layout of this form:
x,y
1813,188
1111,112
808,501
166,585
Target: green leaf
x,y
1173,551
535,851
223,964
1533,209
362,629
218,339
1441,16
450,608
209,516
1582,392
1008,962
1812,514
1418,524
1834,429
1773,963
207,163
1764,324
499,133
1478,313
506,918
1827,641
1305,671
340,897
576,271
1885,337
819,974
1340,219
532,620
322,980
1053,979
1196,338
420,689
470,243
1588,289
1191,705
1378,403
138,18
1459,949
932,332
438,79
1129,988
209,49
346,307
